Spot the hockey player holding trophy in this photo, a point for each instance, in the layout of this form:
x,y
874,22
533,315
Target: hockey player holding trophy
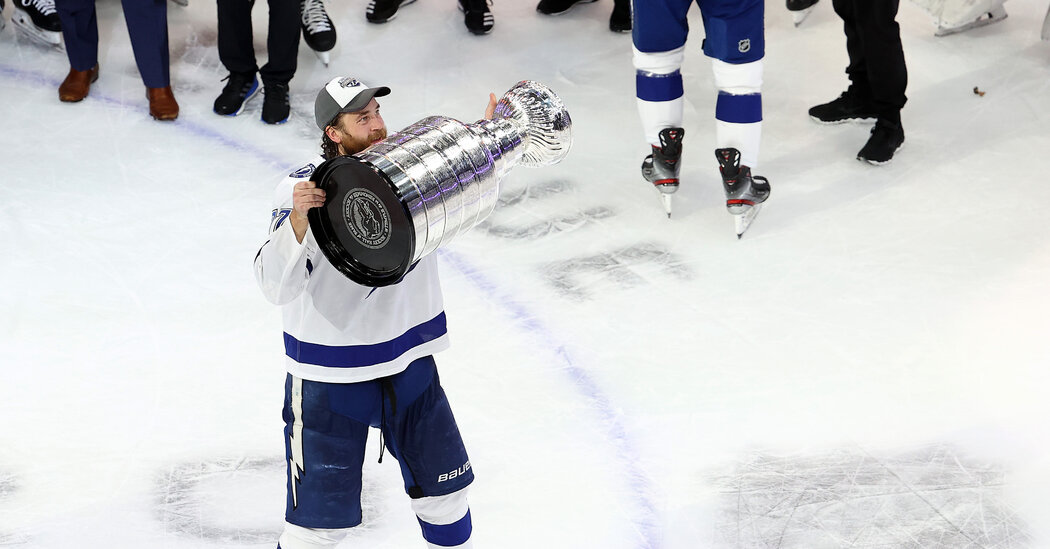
x,y
735,42
349,258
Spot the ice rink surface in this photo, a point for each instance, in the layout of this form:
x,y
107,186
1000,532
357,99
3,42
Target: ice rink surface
x,y
867,367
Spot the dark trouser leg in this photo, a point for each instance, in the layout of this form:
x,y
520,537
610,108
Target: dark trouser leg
x,y
876,69
857,70
235,36
80,30
282,42
147,22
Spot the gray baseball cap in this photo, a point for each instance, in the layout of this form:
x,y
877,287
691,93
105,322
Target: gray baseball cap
x,y
343,94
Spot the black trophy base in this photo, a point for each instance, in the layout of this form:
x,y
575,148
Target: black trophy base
x,y
363,228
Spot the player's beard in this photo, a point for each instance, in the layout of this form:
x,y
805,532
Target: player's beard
x,y
353,145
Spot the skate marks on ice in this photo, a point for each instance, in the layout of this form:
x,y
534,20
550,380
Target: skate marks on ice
x,y
582,278
579,278
8,487
932,498
234,501
510,207
197,499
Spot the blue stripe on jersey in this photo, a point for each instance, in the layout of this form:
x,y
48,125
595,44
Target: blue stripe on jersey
x,y
740,109
356,356
659,87
447,535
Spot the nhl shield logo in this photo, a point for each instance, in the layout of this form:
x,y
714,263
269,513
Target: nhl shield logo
x,y
744,45
367,218
349,82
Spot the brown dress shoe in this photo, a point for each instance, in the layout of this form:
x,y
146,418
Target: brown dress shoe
x,y
162,105
77,83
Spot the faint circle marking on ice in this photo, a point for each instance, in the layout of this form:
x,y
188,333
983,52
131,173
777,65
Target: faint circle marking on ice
x,y
930,498
234,500
200,499
8,486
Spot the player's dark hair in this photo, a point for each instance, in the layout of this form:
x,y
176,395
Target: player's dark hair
x,y
329,148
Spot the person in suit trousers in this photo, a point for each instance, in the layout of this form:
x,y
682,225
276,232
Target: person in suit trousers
x,y
147,22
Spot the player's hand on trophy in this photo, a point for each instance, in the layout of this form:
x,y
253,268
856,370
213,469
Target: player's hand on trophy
x,y
490,111
305,195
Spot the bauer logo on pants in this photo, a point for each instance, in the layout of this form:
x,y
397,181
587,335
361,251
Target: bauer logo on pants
x,y
462,470
366,218
744,45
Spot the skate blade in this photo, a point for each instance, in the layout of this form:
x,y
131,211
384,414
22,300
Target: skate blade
x,y
743,221
27,29
1046,26
799,16
666,199
323,56
986,19
182,3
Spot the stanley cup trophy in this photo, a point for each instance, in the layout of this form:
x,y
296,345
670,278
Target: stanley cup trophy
x,y
399,200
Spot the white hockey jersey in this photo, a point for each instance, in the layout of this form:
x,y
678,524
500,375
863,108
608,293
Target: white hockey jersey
x,y
336,330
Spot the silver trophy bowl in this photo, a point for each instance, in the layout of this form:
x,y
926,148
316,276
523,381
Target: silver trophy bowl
x,y
394,203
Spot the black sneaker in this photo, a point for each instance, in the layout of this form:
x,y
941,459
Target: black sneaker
x,y
847,108
476,16
558,7
275,103
381,11
620,21
887,137
240,87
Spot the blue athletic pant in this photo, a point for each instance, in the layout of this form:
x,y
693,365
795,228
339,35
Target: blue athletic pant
x,y
324,486
734,28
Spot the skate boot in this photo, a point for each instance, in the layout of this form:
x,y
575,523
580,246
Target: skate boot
x,y
957,17
744,193
662,166
318,31
38,20
800,9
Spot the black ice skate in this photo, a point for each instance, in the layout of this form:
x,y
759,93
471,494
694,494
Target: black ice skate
x,y
318,30
662,166
993,15
744,193
800,9
38,20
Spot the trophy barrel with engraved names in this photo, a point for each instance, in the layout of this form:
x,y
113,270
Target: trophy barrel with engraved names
x,y
406,196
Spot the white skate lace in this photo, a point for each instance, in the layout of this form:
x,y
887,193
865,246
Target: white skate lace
x,y
314,17
45,7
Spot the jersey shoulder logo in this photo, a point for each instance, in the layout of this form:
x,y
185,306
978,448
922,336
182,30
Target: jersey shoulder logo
x,y
303,172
